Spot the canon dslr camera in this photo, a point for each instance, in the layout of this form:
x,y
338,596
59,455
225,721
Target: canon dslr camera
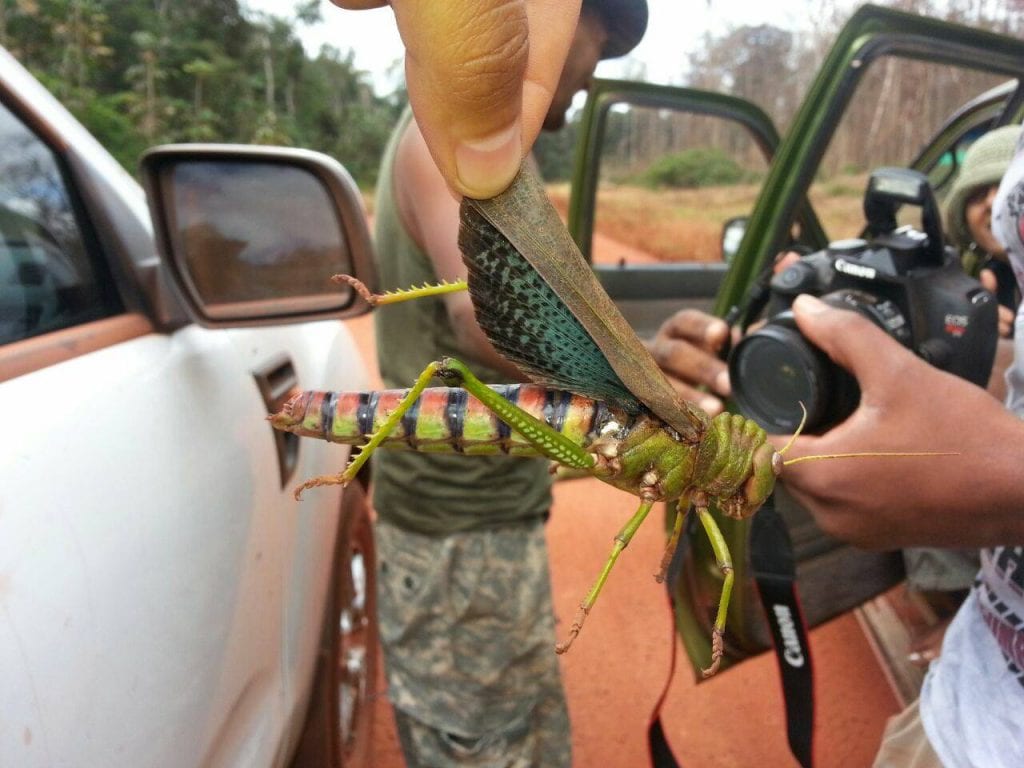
x,y
904,280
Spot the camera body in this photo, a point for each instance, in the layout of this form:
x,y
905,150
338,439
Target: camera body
x,y
904,280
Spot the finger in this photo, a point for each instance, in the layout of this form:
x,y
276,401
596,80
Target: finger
x,y
706,330
1006,317
691,364
710,404
851,341
481,74
784,260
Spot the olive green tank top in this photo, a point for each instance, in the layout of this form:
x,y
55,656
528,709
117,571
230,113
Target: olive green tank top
x,y
431,493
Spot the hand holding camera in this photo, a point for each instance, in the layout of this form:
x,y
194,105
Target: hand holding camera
x,y
905,281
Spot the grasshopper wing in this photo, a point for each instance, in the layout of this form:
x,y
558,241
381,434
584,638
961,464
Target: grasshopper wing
x,y
527,322
540,304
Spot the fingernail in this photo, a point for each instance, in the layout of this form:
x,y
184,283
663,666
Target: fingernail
x,y
809,304
710,405
722,385
716,332
487,166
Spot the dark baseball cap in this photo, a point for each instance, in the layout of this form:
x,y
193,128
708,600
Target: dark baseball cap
x,y
625,21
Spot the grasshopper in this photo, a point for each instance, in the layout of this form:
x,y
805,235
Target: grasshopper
x,y
599,404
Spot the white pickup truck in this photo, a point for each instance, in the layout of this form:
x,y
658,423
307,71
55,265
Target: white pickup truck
x,y
164,601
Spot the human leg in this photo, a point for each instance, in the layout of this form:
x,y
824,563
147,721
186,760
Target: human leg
x,y
468,636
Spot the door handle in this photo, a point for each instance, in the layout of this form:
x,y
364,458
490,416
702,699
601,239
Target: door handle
x,y
277,382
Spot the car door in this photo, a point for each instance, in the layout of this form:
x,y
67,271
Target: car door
x,y
874,54
162,594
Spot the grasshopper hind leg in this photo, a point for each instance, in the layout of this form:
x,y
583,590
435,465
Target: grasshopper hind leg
x,y
375,439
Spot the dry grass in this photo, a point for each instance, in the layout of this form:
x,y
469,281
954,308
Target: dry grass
x,y
686,224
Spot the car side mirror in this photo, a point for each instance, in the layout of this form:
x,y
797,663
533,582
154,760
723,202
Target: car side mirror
x,y
252,234
732,235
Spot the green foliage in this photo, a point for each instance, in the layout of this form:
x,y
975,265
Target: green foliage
x,y
141,72
106,116
693,168
555,151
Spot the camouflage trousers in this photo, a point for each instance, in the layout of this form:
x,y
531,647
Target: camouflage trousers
x,y
468,633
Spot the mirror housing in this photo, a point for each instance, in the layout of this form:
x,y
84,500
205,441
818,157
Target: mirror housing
x,y
732,235
251,235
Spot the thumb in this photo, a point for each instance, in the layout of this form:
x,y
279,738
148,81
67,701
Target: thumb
x,y
848,338
481,74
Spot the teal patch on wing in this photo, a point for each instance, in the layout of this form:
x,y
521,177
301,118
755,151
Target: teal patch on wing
x,y
528,323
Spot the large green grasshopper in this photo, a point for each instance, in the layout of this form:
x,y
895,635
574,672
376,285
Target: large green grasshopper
x,y
600,404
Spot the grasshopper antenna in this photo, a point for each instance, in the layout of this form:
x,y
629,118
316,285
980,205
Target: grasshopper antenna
x,y
796,434
864,455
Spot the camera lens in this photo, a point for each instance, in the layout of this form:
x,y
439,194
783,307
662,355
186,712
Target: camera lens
x,y
773,370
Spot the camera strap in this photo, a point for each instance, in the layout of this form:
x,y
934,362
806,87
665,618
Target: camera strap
x,y
774,573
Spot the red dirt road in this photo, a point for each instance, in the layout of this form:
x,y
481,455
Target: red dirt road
x,y
617,668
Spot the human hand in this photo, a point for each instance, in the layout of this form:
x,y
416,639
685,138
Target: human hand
x,y
481,74
686,349
972,499
988,280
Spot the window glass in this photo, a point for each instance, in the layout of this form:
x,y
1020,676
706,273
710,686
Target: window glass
x,y
898,106
670,182
47,279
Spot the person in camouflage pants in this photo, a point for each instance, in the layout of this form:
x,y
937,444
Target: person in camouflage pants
x,y
467,637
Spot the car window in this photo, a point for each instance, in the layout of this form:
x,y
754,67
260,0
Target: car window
x,y
669,183
899,104
48,279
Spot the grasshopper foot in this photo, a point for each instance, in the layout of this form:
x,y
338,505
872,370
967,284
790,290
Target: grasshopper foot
x,y
666,561
717,649
342,479
370,298
574,630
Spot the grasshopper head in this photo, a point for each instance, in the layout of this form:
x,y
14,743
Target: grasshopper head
x,y
767,466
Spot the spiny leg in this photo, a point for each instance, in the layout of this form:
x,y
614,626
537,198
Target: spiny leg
x,y
622,540
377,437
682,507
402,294
721,550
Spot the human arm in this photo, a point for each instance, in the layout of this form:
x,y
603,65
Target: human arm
x,y
972,499
430,214
481,74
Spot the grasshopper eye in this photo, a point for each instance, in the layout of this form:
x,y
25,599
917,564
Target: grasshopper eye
x,y
777,463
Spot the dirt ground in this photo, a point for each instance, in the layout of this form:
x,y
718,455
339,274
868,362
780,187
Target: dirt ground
x,y
617,668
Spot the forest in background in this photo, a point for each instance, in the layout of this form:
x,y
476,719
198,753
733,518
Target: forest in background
x,y
144,72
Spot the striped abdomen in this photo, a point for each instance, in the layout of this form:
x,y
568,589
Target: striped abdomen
x,y
443,419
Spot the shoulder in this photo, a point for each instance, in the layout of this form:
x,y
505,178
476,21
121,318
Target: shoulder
x,y
421,194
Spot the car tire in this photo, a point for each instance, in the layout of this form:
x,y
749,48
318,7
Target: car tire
x,y
339,724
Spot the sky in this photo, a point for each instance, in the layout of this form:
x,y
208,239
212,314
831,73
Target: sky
x,y
676,28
